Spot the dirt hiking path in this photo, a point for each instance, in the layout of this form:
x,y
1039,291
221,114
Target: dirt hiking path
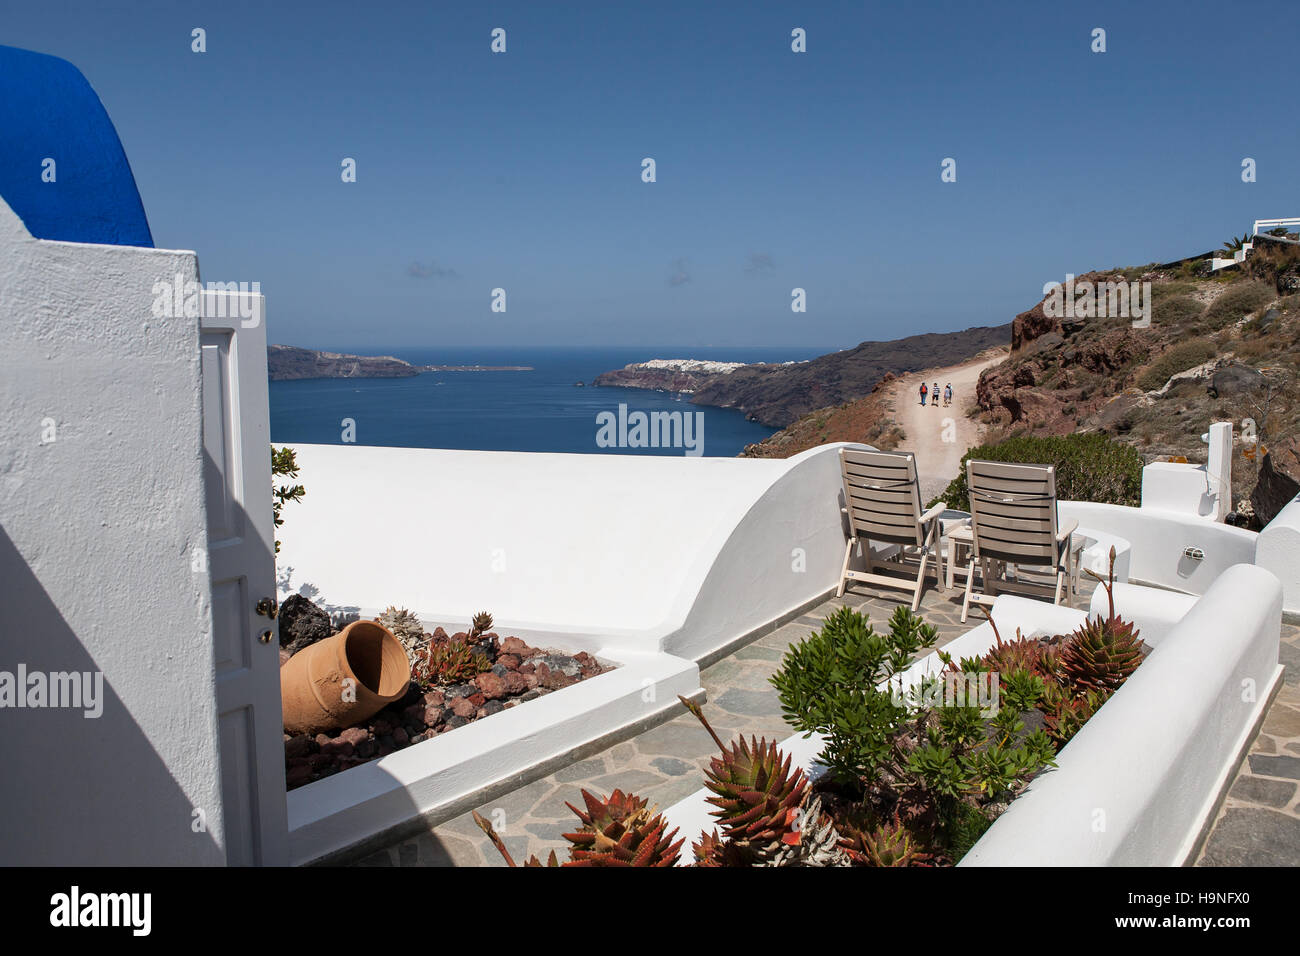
x,y
940,436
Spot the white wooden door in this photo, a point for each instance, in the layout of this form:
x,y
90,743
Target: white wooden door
x,y
241,560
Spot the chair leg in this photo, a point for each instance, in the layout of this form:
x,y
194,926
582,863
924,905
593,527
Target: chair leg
x,y
920,583
848,553
1060,586
970,581
938,559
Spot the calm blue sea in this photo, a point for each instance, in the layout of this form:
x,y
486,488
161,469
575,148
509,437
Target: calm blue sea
x,y
541,410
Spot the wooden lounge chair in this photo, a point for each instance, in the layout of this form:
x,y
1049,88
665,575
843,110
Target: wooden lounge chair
x,y
1013,521
883,500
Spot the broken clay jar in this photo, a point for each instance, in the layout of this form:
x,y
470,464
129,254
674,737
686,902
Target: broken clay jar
x,y
342,680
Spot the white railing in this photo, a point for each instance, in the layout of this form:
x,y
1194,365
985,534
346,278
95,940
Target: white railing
x,y
1274,223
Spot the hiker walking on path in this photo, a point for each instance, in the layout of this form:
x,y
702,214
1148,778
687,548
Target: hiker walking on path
x,y
947,394
936,395
923,393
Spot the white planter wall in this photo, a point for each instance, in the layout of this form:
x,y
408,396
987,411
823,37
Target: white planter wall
x,y
1135,786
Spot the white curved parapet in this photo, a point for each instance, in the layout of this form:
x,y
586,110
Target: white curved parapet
x,y
1137,784
648,553
649,563
1168,548
1278,550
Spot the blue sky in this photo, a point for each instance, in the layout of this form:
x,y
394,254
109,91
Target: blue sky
x,y
819,170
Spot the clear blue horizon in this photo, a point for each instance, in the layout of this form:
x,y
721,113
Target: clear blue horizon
x,y
775,169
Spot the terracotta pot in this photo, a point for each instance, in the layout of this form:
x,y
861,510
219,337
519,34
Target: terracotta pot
x,y
343,680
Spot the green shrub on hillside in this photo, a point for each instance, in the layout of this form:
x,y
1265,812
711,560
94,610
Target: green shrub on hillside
x,y
1181,357
1089,467
1238,301
1175,310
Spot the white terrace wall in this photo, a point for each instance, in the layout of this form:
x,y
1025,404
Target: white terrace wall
x,y
1136,785
101,508
1160,540
646,553
1278,550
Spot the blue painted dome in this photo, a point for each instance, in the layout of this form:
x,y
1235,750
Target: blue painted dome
x,y
49,112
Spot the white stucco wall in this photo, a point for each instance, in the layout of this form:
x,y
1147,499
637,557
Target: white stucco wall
x,y
1159,539
97,529
1278,550
1182,488
597,551
1135,785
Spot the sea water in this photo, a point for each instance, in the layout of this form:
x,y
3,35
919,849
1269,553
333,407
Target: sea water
x,y
538,410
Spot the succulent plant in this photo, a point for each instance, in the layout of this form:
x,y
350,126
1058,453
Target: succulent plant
x,y
621,831
888,844
480,625
1101,654
819,841
450,661
1066,712
816,843
757,795
497,842
1019,653
710,850
406,627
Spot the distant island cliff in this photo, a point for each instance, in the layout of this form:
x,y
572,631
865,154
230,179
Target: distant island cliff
x,y
778,394
286,363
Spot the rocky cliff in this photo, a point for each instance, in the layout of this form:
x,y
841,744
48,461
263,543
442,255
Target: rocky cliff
x,y
285,362
778,395
1220,347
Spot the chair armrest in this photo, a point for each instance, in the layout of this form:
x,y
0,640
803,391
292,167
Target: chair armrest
x,y
1069,529
933,513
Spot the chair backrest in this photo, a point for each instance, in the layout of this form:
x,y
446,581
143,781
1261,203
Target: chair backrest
x,y
1013,512
882,495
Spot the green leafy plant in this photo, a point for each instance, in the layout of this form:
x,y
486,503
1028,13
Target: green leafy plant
x,y
828,683
284,464
1090,466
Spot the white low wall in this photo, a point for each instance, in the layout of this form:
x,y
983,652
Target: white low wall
x,y
343,810
1182,488
1278,550
1135,786
1159,539
592,552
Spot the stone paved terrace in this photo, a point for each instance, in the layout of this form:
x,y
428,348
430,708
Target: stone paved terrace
x,y
1259,823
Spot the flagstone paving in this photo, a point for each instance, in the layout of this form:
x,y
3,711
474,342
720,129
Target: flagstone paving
x,y
1259,822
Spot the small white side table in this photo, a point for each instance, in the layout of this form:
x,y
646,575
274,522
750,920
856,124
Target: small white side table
x,y
963,537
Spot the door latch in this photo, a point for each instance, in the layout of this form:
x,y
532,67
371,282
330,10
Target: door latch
x,y
268,608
